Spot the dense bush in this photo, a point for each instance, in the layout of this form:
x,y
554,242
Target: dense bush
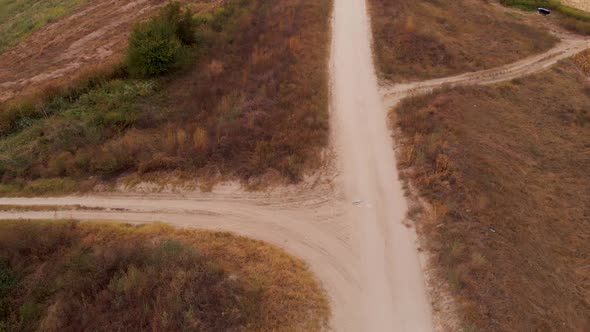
x,y
155,47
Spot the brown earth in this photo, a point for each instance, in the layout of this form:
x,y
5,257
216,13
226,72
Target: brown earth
x,y
580,4
504,169
417,40
96,33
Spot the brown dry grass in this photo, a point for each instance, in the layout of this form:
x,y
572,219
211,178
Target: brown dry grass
x,y
70,276
437,38
253,102
259,102
505,169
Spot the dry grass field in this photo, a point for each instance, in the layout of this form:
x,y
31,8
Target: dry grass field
x,y
505,171
70,276
250,102
416,40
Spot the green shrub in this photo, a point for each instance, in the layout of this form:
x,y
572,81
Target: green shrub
x,y
156,46
183,21
153,48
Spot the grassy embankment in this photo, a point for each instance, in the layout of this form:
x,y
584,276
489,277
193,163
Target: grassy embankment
x,y
20,18
70,276
571,18
505,170
416,40
250,99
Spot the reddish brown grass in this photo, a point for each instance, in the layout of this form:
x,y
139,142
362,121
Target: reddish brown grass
x,y
506,170
253,101
427,39
259,102
70,276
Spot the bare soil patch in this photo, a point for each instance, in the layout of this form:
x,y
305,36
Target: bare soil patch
x,y
504,170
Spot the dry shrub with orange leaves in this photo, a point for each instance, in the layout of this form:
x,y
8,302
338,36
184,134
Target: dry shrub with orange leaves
x,y
505,171
416,40
71,276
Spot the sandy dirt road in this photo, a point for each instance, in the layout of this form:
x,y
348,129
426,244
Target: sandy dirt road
x,y
393,296
311,227
568,46
351,236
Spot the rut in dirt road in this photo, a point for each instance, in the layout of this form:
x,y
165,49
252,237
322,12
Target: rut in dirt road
x,y
393,293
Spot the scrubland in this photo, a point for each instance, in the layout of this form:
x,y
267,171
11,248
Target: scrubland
x,y
416,40
71,276
504,170
247,99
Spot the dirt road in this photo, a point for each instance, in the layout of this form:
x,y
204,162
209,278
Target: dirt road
x,y
568,46
393,296
353,237
310,227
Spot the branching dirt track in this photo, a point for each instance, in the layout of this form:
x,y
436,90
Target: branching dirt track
x,y
569,45
353,236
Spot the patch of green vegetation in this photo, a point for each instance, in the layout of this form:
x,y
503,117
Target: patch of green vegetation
x,y
21,18
571,18
157,46
92,119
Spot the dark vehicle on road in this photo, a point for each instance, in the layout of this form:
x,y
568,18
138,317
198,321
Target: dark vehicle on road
x,y
544,11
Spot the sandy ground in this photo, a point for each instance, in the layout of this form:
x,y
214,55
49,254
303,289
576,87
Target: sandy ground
x,y
393,296
581,4
352,236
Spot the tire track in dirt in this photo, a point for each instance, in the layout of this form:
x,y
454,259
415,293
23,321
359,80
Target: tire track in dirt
x,y
569,46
